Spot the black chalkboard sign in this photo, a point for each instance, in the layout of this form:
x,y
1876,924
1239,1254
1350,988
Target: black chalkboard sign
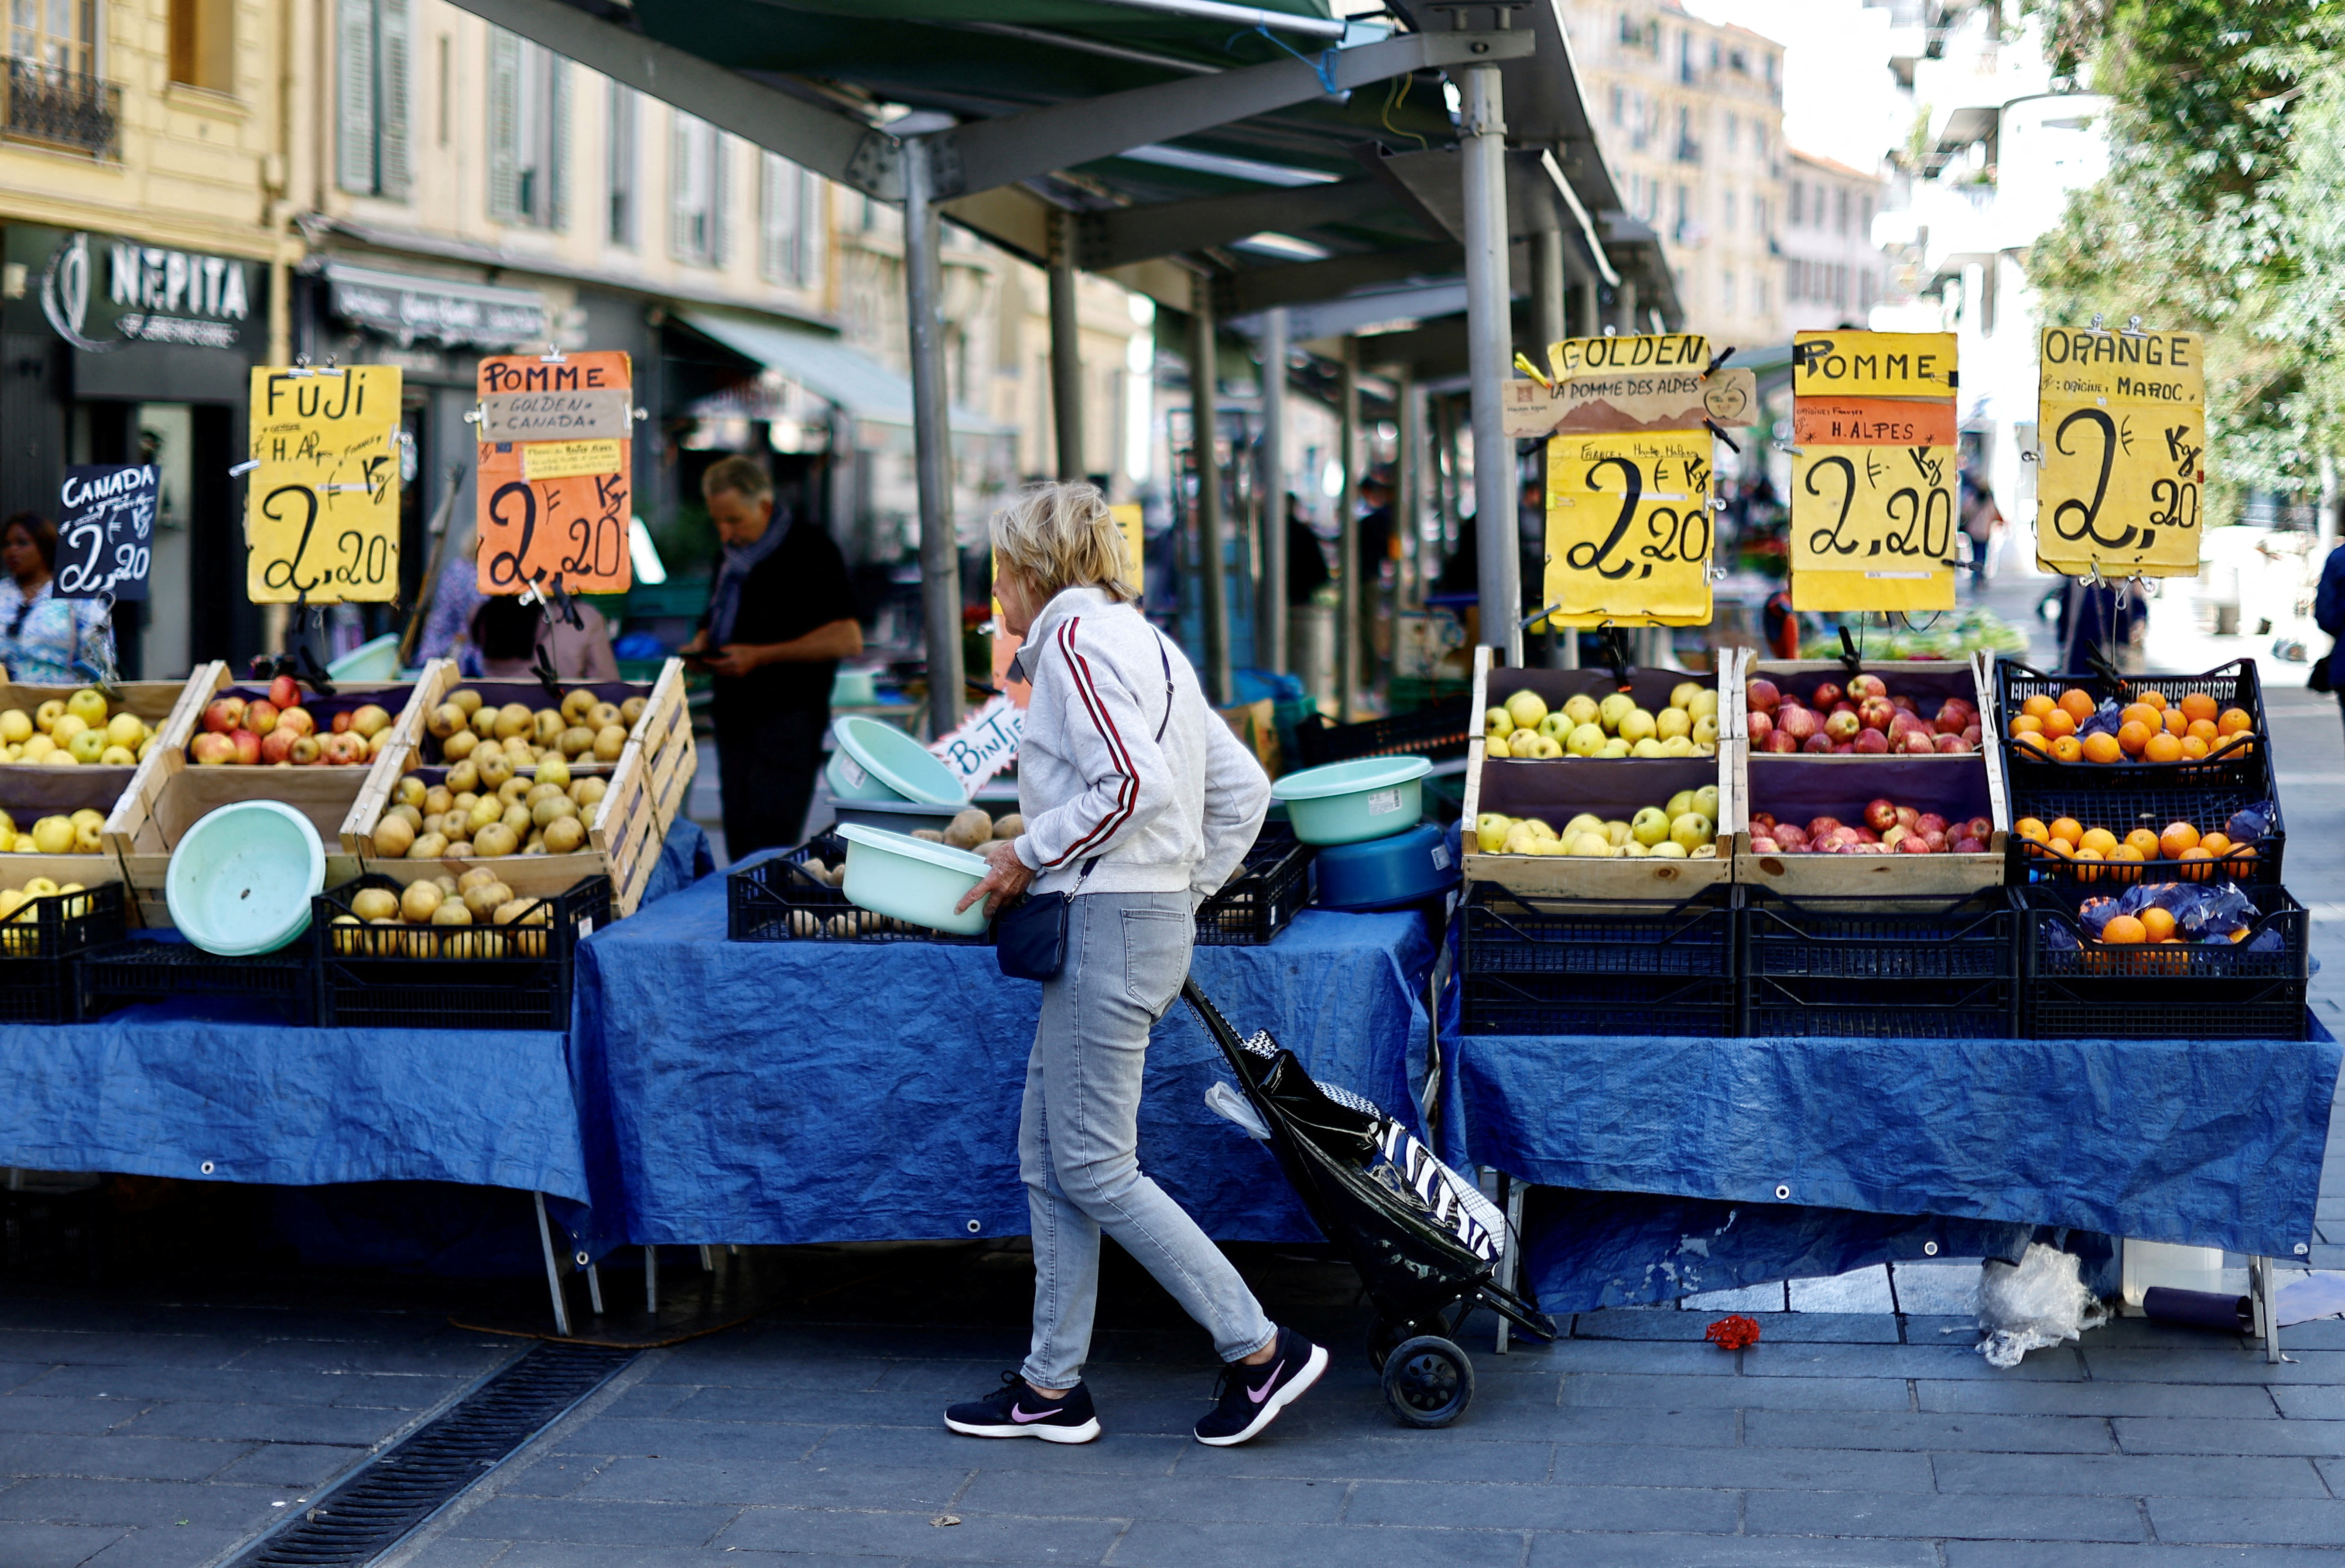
x,y
106,530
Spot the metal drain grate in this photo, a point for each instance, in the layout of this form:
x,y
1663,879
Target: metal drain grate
x,y
407,1484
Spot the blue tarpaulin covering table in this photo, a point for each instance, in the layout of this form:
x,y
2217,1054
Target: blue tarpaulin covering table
x,y
1692,1164
837,1090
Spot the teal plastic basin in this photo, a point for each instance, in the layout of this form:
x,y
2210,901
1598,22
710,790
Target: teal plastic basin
x,y
911,879
1351,802
877,761
241,880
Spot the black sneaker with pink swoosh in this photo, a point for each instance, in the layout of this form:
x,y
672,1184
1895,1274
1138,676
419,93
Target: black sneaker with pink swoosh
x,y
1015,1411
1250,1396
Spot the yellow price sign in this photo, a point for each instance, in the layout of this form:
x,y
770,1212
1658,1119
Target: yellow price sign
x,y
1629,531
1874,528
2123,469
1872,365
321,512
1575,357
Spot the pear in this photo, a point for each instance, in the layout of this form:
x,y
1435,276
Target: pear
x,y
1581,709
1525,708
1681,695
1586,740
1619,706
1671,722
1636,725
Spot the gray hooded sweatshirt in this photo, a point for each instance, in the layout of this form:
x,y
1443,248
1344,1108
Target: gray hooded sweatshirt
x,y
1122,759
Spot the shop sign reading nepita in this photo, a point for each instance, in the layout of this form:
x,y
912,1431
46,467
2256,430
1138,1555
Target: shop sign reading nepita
x,y
101,291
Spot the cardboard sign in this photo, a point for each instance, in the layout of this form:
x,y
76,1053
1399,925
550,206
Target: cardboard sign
x,y
1872,527
321,507
986,742
605,413
1576,357
2122,470
555,510
1628,532
106,530
1872,365
1597,404
1872,422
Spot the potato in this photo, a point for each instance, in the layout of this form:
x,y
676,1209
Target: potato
x,y
429,847
1010,826
576,741
970,829
450,914
438,799
478,877
577,703
556,808
495,841
465,778
420,900
565,836
929,834
496,769
632,710
464,801
461,850
392,837
609,742
513,720
460,745
482,898
513,790
466,697
508,911
589,790
374,904
602,716
484,721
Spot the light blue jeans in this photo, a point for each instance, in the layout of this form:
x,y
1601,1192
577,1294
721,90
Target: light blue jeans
x,y
1079,1138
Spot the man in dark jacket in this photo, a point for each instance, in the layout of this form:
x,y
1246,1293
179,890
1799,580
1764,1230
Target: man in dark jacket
x,y
781,615
2328,612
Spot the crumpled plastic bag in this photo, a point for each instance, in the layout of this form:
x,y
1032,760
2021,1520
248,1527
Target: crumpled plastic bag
x,y
2041,1302
1229,1103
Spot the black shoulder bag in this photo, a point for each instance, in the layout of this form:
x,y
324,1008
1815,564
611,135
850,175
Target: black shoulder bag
x,y
1029,937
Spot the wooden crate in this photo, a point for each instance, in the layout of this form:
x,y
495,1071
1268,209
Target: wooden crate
x,y
646,789
29,791
1843,785
171,793
1560,788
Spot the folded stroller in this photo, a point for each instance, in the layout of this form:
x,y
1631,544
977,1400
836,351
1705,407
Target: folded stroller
x,y
1426,1243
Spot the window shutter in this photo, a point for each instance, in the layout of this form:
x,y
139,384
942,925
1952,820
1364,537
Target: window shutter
x,y
619,166
393,86
778,218
813,232
681,204
557,143
504,126
354,96
720,236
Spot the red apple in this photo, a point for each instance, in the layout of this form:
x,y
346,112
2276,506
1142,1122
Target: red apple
x,y
1801,724
1791,835
260,717
1865,685
298,720
1970,846
1902,724
212,749
342,748
1902,704
1876,712
1955,745
1817,745
1950,720
285,691
247,746
1894,837
1864,835
1761,695
1762,725
1763,821
1914,844
1907,816
1937,843
1929,823
1760,844
1826,694
341,721
1842,726
277,746
1881,815
1978,828
224,714
1973,734
1781,742
1919,744
1871,743
307,749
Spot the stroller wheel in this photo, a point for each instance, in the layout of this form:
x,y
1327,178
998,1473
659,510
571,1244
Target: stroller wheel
x,y
1428,1381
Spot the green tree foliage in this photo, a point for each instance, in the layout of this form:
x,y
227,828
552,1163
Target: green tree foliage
x,y
2218,211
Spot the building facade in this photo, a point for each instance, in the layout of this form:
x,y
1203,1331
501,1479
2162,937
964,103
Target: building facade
x,y
1689,116
1834,274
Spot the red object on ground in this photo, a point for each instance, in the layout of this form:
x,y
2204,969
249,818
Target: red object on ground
x,y
1732,1333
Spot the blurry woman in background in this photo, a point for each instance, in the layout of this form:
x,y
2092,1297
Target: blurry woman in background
x,y
509,634
46,640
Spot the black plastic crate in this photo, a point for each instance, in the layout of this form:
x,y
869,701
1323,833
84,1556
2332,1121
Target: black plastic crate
x,y
512,976
1272,883
2121,807
2244,775
1944,969
124,972
1438,732
38,945
1530,964
2158,991
778,900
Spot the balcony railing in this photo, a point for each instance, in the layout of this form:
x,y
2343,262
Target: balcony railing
x,y
61,108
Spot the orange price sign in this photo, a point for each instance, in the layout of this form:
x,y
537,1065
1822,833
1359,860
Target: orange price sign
x,y
556,508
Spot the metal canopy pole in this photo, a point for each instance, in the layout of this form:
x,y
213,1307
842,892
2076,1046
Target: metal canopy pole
x,y
1347,535
1547,289
1408,484
1488,330
1272,456
1211,561
1624,306
931,447
1066,350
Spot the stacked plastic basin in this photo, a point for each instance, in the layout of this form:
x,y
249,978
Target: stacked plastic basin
x,y
1375,850
879,777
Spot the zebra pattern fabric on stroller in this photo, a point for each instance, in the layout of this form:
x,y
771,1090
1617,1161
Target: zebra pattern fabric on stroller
x,y
1427,1245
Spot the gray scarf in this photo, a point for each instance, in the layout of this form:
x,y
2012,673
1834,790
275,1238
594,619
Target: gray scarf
x,y
725,599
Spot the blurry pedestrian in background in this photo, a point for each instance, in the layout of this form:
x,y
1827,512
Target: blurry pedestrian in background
x,y
1982,523
509,634
2329,615
46,640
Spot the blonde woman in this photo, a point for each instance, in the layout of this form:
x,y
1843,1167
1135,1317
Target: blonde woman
x,y
1137,803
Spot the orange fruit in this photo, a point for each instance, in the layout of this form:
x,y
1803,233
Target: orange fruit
x,y
2143,840
2157,924
2028,724
2196,865
2030,828
2036,706
2175,724
2217,844
2035,742
2197,705
2193,748
2243,851
2059,722
2162,748
2100,747
2097,838
2122,928
2139,713
2127,852
2086,873
2234,721
2178,838
2132,737
2067,827
2067,750
2076,704
2156,700
2204,728
2060,846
